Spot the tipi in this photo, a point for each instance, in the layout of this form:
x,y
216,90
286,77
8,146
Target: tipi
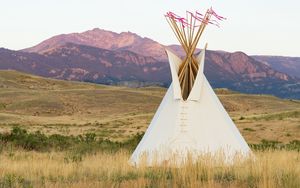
x,y
190,118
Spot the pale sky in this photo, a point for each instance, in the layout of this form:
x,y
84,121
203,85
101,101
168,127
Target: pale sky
x,y
269,27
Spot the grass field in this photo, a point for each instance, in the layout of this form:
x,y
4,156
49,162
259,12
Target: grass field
x,y
74,120
73,108
34,169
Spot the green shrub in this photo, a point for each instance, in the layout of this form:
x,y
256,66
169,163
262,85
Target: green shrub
x,y
82,144
12,180
248,129
275,145
90,143
242,118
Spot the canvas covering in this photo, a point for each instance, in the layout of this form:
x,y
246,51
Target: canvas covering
x,y
199,125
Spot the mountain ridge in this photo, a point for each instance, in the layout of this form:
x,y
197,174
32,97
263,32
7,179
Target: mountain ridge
x,y
128,58
285,64
104,39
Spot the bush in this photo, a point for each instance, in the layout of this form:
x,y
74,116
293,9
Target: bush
x,y
248,129
12,180
82,144
242,118
275,145
89,143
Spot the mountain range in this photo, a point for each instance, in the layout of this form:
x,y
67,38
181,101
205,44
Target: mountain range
x,y
125,58
288,65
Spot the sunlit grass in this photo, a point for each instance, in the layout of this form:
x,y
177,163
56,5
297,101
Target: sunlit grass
x,y
53,169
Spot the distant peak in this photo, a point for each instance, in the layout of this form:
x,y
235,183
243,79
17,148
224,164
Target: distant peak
x,y
130,34
97,29
239,53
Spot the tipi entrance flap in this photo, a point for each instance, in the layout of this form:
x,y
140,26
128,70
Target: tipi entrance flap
x,y
174,62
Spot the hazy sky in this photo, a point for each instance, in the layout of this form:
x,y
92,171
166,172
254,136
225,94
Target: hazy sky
x,y
254,26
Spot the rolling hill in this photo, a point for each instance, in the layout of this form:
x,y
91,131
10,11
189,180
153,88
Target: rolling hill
x,y
72,108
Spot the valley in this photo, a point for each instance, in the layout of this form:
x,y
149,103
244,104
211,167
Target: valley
x,y
117,113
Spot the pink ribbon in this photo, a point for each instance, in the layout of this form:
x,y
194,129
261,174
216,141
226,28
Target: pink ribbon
x,y
177,18
216,15
197,16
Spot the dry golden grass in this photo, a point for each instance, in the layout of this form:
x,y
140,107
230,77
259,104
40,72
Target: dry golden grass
x,y
269,169
72,108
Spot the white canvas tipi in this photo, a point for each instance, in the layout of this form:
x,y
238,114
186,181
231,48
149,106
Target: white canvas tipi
x,y
189,121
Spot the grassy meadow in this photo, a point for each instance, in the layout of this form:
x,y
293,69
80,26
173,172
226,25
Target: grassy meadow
x,y
69,134
52,169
